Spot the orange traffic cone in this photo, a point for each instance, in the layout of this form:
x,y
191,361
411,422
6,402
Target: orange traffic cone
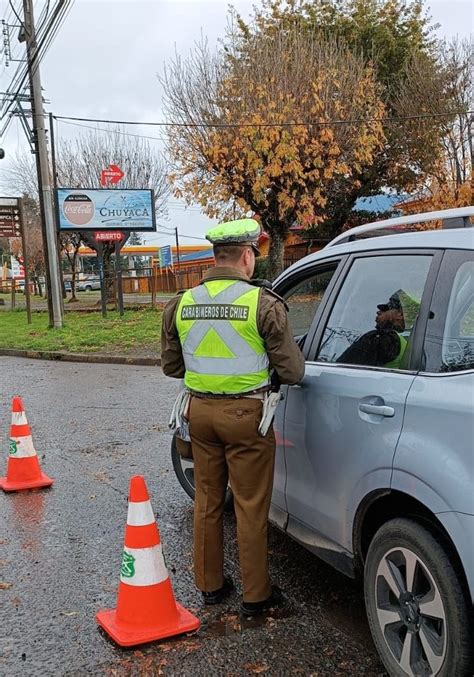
x,y
146,607
23,468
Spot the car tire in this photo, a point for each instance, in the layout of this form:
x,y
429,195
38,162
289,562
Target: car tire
x,y
87,287
418,614
184,471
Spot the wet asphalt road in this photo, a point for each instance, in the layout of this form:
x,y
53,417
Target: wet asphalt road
x,y
94,426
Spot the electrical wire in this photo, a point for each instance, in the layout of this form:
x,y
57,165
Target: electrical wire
x,y
15,13
239,125
44,41
110,131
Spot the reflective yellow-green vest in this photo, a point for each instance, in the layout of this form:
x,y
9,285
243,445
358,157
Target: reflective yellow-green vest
x,y
397,361
223,351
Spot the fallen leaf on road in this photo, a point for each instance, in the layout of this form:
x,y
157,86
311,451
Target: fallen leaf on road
x,y
166,647
6,586
255,668
192,646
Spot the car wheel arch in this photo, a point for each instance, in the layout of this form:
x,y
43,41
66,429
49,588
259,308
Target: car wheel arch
x,y
380,506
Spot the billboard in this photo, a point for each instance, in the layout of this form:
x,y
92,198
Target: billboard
x,y
165,257
105,209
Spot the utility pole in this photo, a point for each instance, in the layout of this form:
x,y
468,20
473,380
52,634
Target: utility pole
x,y
55,301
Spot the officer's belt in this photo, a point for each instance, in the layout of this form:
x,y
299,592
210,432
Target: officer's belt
x,y
259,395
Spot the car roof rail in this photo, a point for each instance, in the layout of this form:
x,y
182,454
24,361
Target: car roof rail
x,y
450,218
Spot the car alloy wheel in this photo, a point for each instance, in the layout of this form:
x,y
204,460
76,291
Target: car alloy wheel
x,y
418,611
410,612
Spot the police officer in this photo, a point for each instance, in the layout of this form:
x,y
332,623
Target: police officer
x,y
225,336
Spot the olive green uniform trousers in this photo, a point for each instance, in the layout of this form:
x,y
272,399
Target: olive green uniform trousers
x,y
227,447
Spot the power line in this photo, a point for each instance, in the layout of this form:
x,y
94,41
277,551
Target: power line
x,y
15,13
239,125
109,131
57,18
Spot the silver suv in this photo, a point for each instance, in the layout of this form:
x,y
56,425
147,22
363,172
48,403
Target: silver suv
x,y
374,464
89,284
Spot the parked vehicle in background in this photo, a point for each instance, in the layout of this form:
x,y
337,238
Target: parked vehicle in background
x,y
374,465
89,284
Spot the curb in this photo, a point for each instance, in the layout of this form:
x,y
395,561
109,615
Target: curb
x,y
60,356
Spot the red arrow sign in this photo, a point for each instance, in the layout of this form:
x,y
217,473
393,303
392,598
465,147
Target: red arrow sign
x,y
111,175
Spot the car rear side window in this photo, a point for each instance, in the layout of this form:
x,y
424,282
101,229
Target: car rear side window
x,y
373,317
449,340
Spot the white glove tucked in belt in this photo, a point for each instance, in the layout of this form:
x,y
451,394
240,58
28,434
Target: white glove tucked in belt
x,y
179,415
270,403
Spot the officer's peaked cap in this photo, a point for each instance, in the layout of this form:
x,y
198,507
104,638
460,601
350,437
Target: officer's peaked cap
x,y
240,232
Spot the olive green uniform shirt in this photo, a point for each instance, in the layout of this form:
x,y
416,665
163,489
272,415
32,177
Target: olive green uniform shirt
x,y
272,321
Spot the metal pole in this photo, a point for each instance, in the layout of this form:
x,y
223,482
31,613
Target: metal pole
x,y
153,286
55,185
178,268
118,271
55,302
103,292
25,260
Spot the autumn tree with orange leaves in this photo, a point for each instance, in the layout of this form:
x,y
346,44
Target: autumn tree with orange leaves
x,y
265,134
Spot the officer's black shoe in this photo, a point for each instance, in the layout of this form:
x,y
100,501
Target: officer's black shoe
x,y
217,596
256,608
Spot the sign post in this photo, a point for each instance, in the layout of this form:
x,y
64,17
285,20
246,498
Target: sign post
x,y
103,291
12,226
118,276
119,238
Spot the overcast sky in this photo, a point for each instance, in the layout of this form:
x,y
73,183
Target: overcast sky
x,y
105,60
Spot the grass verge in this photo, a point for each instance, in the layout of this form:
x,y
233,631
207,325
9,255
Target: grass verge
x,y
136,333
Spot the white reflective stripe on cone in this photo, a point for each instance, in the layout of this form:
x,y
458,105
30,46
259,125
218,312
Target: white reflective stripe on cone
x,y
143,566
24,447
19,418
140,514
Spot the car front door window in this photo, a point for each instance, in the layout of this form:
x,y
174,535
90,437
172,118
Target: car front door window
x,y
373,317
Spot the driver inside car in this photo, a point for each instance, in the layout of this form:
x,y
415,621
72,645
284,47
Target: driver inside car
x,y
386,345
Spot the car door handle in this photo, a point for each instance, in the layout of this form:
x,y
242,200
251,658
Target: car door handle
x,y
377,409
